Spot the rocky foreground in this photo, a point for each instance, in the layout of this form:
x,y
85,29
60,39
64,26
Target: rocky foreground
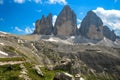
x,y
37,58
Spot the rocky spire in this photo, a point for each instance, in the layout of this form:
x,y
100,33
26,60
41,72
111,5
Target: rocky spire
x,y
109,34
91,26
65,24
44,25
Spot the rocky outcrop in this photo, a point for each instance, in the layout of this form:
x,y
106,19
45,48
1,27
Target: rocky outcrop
x,y
63,76
67,65
65,24
38,70
109,34
44,26
91,26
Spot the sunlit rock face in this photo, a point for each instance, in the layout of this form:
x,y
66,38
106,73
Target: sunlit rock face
x,y
44,25
66,22
109,34
91,26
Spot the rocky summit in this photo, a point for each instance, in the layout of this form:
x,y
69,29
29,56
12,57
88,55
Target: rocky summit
x,y
91,26
65,24
109,34
44,25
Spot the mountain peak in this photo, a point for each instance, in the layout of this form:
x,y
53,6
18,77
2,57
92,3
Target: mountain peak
x,y
67,7
65,24
90,13
91,26
44,25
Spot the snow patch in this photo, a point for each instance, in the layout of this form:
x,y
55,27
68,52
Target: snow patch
x,y
3,53
2,44
57,40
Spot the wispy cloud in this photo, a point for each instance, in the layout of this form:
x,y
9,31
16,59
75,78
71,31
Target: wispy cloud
x,y
27,30
33,24
1,19
57,1
115,1
38,1
63,2
19,1
18,29
1,2
38,10
111,18
79,22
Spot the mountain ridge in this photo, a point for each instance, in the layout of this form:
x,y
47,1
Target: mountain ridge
x,y
66,25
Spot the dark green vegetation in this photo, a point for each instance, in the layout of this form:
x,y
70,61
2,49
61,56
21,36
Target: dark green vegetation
x,y
12,59
10,72
48,75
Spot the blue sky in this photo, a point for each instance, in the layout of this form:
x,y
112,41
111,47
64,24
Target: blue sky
x,y
19,16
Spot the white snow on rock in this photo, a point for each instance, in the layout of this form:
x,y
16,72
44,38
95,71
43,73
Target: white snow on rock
x,y
2,44
3,53
57,40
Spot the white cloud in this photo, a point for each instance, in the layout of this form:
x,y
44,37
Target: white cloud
x,y
38,1
39,10
54,19
18,29
1,19
29,30
34,24
79,22
57,1
111,18
115,1
1,2
19,1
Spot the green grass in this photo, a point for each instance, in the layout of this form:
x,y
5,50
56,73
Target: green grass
x,y
12,59
9,49
10,72
48,75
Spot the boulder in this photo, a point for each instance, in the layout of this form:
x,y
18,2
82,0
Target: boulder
x,y
63,76
39,72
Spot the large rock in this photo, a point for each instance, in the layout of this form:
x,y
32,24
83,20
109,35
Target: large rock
x,y
109,34
65,23
63,76
67,65
91,26
44,26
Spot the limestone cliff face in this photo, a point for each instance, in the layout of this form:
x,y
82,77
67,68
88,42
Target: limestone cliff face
x,y
44,25
91,26
65,24
109,34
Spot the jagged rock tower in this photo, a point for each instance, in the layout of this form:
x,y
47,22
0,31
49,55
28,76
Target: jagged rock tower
x,y
92,26
44,26
65,24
